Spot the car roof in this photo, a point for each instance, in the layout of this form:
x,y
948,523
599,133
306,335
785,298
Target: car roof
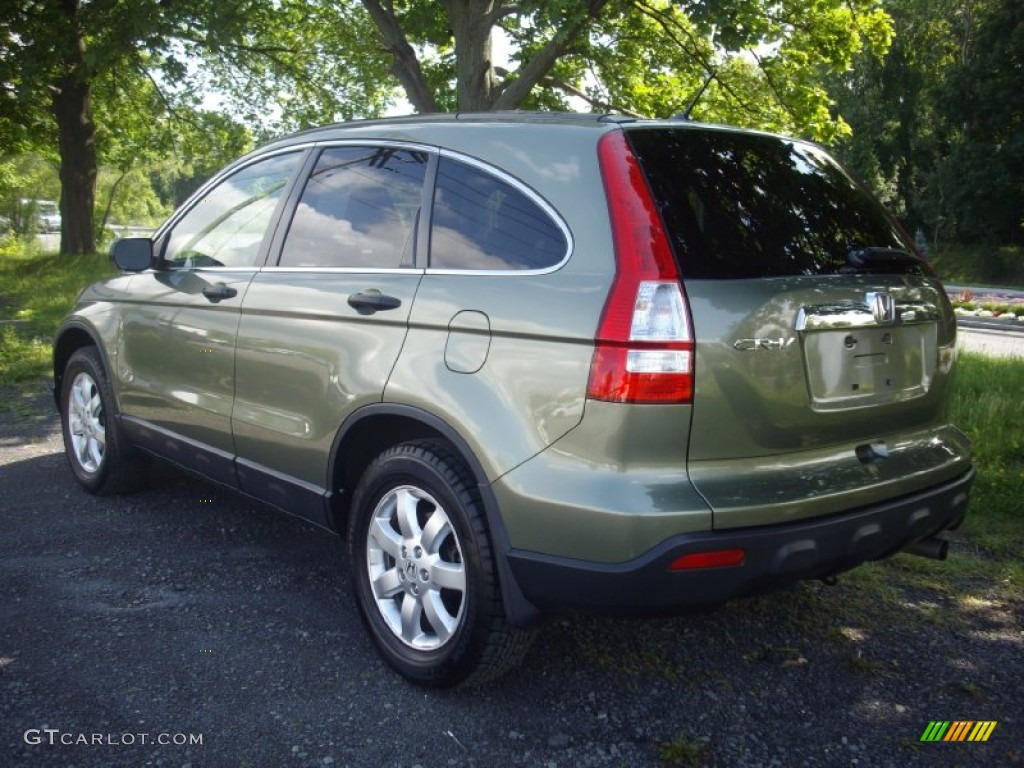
x,y
438,128
431,128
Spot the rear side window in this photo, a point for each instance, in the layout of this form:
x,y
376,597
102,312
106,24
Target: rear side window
x,y
747,206
482,222
358,209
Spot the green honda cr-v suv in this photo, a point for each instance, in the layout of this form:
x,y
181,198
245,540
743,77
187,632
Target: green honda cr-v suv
x,y
533,361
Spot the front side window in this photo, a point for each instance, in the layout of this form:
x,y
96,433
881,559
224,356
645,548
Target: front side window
x,y
482,222
226,227
359,209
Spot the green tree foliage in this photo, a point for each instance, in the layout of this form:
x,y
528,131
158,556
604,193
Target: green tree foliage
x,y
983,107
64,64
761,59
122,84
24,180
150,165
937,121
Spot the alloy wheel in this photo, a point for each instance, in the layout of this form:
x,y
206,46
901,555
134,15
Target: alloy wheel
x,y
417,574
87,423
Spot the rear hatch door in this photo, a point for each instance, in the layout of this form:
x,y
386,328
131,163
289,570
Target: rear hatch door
x,y
824,343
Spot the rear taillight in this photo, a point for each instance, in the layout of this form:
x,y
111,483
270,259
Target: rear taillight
x,y
644,345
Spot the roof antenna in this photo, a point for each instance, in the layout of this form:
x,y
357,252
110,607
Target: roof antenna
x,y
685,114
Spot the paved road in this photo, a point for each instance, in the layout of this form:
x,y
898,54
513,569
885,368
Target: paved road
x,y
996,342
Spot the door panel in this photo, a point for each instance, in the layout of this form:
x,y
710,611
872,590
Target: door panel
x,y
177,363
306,359
177,357
177,345
320,334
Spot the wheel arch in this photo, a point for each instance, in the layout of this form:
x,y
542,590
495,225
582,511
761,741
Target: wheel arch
x,y
71,338
373,429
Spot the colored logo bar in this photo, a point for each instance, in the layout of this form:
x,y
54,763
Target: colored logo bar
x,y
959,730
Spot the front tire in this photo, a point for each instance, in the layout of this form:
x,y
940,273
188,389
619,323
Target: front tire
x,y
100,459
423,571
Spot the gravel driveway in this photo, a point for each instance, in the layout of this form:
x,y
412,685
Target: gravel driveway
x,y
187,614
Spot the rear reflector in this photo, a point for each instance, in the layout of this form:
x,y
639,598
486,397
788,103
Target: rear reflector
x,y
719,558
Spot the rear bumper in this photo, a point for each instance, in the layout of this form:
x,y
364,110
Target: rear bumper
x,y
776,555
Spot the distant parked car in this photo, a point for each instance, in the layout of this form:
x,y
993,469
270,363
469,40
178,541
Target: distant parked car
x,y
30,216
527,362
48,215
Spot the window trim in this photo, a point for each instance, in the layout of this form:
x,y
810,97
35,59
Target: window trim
x,y
272,247
519,186
344,270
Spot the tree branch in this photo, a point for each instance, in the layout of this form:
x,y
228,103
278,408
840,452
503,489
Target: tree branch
x,y
532,72
671,28
572,90
772,86
232,52
406,66
499,12
172,111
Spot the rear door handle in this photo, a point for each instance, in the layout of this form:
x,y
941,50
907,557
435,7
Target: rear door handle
x,y
219,291
370,301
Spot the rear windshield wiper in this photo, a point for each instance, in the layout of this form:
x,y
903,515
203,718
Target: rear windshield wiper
x,y
873,256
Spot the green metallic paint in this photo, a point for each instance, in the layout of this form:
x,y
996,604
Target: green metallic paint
x,y
469,341
775,427
96,310
608,491
756,402
176,352
531,388
759,490
306,360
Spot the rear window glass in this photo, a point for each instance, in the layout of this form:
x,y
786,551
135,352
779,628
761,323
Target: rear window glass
x,y
747,206
482,222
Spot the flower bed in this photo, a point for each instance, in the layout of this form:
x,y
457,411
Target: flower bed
x,y
988,304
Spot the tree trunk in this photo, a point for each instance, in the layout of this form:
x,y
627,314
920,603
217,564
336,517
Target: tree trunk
x,y
406,66
471,28
76,136
77,144
472,22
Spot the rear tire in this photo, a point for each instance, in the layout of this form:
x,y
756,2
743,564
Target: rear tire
x,y
99,457
423,571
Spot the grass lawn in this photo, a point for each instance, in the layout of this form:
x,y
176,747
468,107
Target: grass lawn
x,y
37,290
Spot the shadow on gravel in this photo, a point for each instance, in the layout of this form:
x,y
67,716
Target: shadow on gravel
x,y
184,611
26,415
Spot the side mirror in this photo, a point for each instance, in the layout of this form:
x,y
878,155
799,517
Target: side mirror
x,y
132,254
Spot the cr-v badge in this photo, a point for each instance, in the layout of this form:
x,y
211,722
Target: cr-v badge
x,y
773,345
